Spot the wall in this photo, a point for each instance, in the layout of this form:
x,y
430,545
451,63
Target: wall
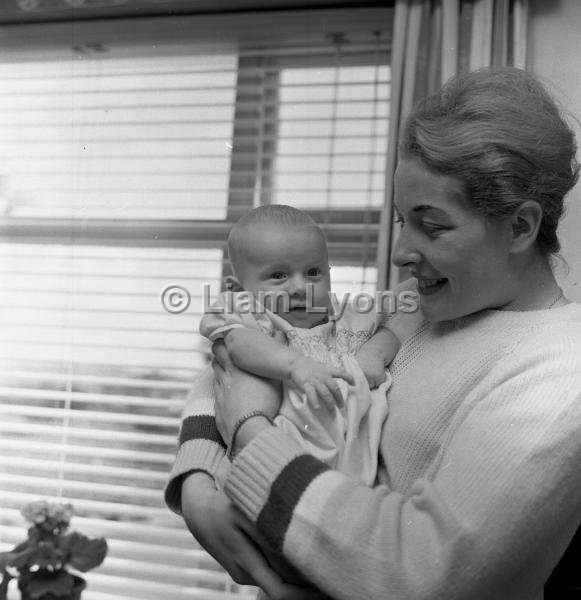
x,y
554,54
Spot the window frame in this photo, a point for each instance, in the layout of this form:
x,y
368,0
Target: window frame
x,y
358,227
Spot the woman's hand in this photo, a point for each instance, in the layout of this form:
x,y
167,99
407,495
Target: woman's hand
x,y
373,367
239,393
228,536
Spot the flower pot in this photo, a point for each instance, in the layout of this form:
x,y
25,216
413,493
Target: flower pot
x,y
79,585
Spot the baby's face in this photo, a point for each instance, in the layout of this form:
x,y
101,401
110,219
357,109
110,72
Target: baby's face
x,y
279,264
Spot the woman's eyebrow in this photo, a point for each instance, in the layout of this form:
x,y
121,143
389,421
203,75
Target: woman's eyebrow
x,y
423,208
427,207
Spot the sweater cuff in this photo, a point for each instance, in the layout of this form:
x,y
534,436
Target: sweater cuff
x,y
193,455
267,480
257,466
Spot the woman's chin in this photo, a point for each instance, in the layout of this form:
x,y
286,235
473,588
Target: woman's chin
x,y
435,304
434,316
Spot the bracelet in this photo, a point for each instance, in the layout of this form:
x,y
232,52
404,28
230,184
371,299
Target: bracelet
x,y
238,425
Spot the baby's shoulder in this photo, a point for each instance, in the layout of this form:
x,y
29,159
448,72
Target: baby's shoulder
x,y
236,309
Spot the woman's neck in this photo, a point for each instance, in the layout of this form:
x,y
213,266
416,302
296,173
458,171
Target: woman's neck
x,y
537,287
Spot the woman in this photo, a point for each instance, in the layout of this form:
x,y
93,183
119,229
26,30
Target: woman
x,y
478,495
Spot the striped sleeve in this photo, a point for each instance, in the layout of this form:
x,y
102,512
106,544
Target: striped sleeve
x,y
270,478
200,445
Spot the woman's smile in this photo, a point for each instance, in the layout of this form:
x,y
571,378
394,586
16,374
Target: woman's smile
x,y
427,286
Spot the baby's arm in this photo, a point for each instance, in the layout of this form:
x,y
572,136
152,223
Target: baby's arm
x,y
257,353
376,353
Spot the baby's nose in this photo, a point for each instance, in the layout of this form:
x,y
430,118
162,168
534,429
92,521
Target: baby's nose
x,y
297,285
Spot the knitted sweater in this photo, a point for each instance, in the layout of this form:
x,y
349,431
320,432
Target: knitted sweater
x,y
479,486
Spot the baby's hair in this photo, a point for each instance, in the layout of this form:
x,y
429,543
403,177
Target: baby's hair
x,y
501,133
271,215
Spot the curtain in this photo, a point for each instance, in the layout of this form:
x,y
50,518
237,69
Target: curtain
x,y
432,41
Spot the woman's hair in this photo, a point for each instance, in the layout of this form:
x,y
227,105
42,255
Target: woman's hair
x,y
500,132
263,217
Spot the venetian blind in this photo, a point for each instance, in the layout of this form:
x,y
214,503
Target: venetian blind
x,y
126,152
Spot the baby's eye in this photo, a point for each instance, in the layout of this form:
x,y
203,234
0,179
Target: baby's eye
x,y
314,272
399,220
278,275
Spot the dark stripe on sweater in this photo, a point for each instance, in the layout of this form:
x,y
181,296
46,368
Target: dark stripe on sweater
x,y
201,427
286,491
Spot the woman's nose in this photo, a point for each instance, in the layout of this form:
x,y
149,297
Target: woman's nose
x,y
405,254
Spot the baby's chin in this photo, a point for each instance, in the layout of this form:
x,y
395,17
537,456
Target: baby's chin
x,y
301,317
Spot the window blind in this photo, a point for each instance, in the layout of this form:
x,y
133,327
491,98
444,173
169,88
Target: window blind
x,y
125,158
89,138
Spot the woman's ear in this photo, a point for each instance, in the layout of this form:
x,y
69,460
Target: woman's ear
x,y
232,284
525,222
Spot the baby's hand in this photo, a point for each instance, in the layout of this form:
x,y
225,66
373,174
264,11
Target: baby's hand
x,y
373,368
315,379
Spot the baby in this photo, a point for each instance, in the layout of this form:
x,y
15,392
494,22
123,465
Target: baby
x,y
277,322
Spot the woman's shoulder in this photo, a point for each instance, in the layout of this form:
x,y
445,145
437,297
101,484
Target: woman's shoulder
x,y
545,339
541,361
559,321
565,319
490,338
571,311
557,331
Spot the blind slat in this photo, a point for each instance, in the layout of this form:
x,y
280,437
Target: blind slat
x,y
83,397
47,448
91,434
89,415
103,381
28,467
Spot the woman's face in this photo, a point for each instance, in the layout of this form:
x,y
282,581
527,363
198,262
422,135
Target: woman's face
x,y
459,257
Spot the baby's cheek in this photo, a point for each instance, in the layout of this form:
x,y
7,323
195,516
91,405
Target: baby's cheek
x,y
277,303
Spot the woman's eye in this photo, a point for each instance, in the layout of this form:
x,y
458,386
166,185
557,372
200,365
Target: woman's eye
x,y
278,275
399,220
432,228
315,272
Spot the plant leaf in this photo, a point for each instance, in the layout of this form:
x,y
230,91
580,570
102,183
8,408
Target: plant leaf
x,y
86,553
6,559
18,559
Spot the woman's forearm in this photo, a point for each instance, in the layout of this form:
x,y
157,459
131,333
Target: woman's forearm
x,y
201,447
234,542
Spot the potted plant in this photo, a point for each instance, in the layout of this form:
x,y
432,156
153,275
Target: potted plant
x,y
41,562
